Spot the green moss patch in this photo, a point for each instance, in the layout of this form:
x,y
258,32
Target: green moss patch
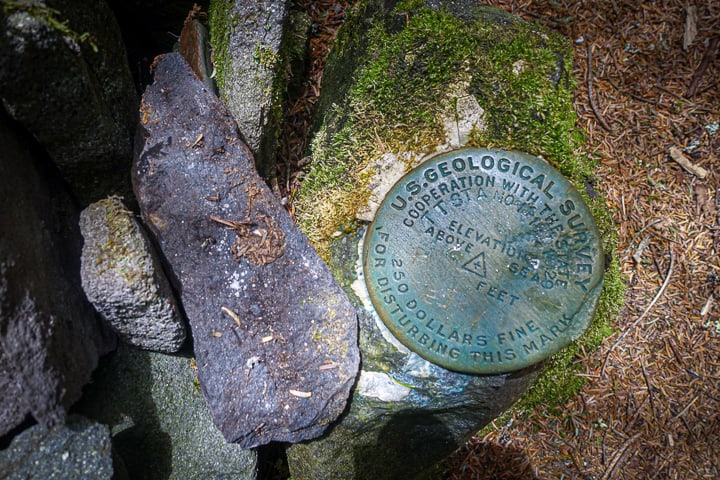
x,y
51,18
219,12
518,74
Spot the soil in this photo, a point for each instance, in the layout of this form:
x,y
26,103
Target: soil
x,y
650,405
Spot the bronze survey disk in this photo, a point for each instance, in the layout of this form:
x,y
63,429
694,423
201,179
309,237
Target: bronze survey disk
x,y
484,261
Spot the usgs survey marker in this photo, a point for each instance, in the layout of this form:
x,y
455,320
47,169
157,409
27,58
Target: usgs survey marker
x,y
484,261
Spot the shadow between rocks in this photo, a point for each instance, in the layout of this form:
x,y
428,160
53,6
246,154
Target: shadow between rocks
x,y
404,448
120,396
272,462
150,28
6,440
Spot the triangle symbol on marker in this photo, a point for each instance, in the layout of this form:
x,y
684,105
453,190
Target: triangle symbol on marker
x,y
476,265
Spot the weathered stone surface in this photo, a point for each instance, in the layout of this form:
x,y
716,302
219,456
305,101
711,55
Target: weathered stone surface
x,y
50,339
255,48
252,32
159,421
274,335
78,449
70,86
123,278
406,414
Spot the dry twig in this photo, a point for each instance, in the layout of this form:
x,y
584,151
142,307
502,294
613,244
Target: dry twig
x,y
682,160
619,454
649,386
591,98
708,58
690,26
644,314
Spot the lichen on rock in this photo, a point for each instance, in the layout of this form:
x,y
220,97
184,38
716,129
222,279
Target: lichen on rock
x,y
256,48
122,277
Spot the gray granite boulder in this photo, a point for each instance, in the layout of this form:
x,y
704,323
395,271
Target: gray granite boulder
x,y
256,48
78,449
274,335
50,339
123,278
64,76
160,424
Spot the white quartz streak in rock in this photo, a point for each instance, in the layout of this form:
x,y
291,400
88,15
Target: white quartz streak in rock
x,y
381,386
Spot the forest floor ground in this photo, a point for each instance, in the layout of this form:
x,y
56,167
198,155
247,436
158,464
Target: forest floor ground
x,y
650,406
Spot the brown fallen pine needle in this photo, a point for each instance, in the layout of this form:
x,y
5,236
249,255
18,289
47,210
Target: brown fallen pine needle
x,y
300,394
619,454
232,315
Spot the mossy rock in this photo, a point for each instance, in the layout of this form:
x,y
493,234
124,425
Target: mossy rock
x,y
65,78
122,277
413,79
409,81
413,66
257,51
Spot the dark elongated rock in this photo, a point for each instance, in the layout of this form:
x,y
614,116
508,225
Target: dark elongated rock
x,y
50,339
274,335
